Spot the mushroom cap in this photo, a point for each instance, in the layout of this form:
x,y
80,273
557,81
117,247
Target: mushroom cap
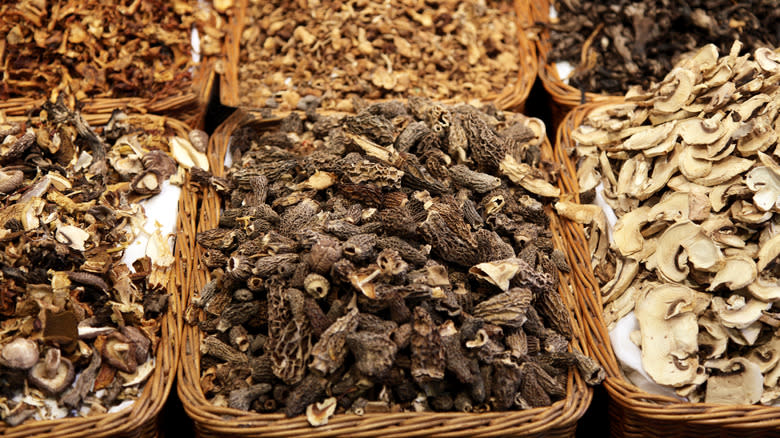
x,y
53,374
21,353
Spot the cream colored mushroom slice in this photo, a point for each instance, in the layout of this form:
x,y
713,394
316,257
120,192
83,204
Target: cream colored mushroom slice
x,y
759,137
650,137
698,131
588,175
581,213
672,207
692,167
680,183
663,168
768,251
626,270
676,90
737,311
765,183
719,96
523,174
738,382
769,162
713,338
717,194
621,305
765,289
686,237
669,334
747,213
693,390
744,110
721,229
724,170
613,117
704,60
499,272
766,355
627,235
767,59
737,272
587,135
633,175
772,378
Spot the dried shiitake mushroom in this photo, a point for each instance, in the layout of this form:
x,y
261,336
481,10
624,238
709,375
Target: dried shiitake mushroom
x,y
688,169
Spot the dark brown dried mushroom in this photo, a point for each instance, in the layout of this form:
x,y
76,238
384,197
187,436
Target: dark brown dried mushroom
x,y
120,352
356,283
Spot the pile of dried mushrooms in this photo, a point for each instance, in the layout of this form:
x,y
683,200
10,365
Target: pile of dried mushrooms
x,y
333,51
395,259
79,326
690,169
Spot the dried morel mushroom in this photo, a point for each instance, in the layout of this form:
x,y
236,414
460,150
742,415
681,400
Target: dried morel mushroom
x,y
332,51
367,277
614,44
689,167
101,49
75,317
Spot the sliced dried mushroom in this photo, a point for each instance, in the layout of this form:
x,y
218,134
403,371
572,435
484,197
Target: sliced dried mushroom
x,y
700,217
736,381
669,334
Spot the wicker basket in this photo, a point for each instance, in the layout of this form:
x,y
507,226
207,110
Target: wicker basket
x,y
141,419
558,420
513,97
633,412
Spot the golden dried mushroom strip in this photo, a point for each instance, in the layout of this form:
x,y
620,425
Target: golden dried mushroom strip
x,y
394,267
689,167
80,326
334,50
96,48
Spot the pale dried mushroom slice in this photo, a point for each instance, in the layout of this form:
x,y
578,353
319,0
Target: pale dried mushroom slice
x,y
627,234
669,331
737,272
734,381
737,311
765,184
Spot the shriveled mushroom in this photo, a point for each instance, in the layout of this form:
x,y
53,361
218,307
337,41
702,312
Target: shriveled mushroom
x,y
120,352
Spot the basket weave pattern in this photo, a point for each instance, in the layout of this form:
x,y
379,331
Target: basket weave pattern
x,y
633,412
557,420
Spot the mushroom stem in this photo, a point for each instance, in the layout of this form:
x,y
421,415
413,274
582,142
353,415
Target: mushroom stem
x,y
52,362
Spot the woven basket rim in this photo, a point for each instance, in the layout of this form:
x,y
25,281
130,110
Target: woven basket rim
x,y
511,97
634,401
140,418
561,417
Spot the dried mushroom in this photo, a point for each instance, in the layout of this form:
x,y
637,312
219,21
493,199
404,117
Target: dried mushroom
x,y
695,244
615,44
331,52
407,281
97,49
76,317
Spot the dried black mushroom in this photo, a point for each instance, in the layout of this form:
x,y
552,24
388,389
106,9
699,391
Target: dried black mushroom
x,y
377,291
615,44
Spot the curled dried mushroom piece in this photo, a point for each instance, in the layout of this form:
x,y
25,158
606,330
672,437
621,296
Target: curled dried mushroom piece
x,y
67,296
700,220
419,277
